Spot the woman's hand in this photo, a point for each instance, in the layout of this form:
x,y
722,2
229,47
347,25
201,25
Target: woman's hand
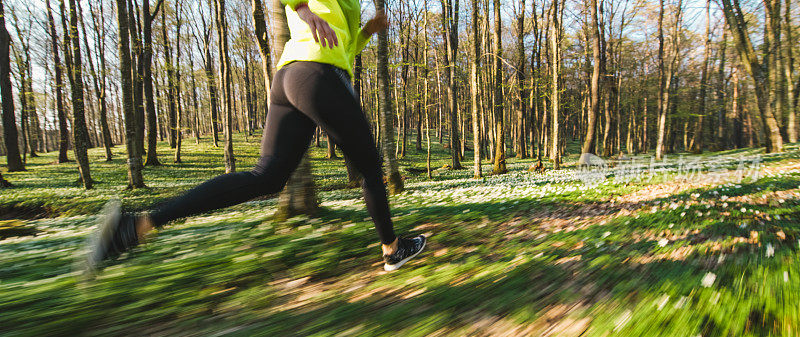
x,y
320,29
376,24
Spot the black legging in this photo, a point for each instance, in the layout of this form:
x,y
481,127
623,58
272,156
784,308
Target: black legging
x,y
304,95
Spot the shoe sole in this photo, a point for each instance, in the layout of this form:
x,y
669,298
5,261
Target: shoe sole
x,y
111,214
393,267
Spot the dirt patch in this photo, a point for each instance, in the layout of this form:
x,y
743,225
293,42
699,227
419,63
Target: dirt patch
x,y
12,228
26,212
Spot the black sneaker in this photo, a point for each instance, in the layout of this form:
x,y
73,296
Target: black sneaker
x,y
115,234
407,248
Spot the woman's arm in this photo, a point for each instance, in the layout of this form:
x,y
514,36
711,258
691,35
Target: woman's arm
x,y
376,24
320,29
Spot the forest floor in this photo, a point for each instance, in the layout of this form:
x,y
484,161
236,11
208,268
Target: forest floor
x,y
695,245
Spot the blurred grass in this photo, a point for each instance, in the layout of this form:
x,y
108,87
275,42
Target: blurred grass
x,y
518,254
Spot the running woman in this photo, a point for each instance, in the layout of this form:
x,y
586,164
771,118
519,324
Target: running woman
x,y
311,87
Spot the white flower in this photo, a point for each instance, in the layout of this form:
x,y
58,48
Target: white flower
x,y
770,250
606,234
708,280
663,242
663,301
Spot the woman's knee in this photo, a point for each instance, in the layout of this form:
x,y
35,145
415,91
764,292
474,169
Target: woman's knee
x,y
271,173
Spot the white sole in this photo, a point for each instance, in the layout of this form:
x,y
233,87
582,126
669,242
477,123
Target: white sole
x,y
393,267
112,212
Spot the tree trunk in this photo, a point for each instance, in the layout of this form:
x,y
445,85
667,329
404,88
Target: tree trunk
x,y
719,134
450,29
331,147
476,54
147,77
212,85
98,76
137,59
171,95
594,101
736,20
555,100
79,131
135,179
521,91
425,92
787,62
262,37
195,108
300,195
697,144
499,166
63,132
395,181
177,82
667,72
10,135
226,80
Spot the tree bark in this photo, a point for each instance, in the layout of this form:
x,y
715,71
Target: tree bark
x,y
63,131
395,181
300,195
10,135
522,92
213,93
594,100
171,94
134,162
450,29
147,85
79,129
787,62
738,25
555,100
499,166
697,144
667,72
476,55
177,82
262,37
226,80
98,76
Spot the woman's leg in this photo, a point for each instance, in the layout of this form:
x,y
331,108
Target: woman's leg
x,y
319,92
286,137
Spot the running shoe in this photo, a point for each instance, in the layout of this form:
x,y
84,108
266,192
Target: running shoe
x,y
407,249
115,234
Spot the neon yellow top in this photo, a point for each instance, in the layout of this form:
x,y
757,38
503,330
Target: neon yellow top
x,y
344,17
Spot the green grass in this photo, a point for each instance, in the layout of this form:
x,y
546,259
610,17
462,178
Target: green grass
x,y
519,254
